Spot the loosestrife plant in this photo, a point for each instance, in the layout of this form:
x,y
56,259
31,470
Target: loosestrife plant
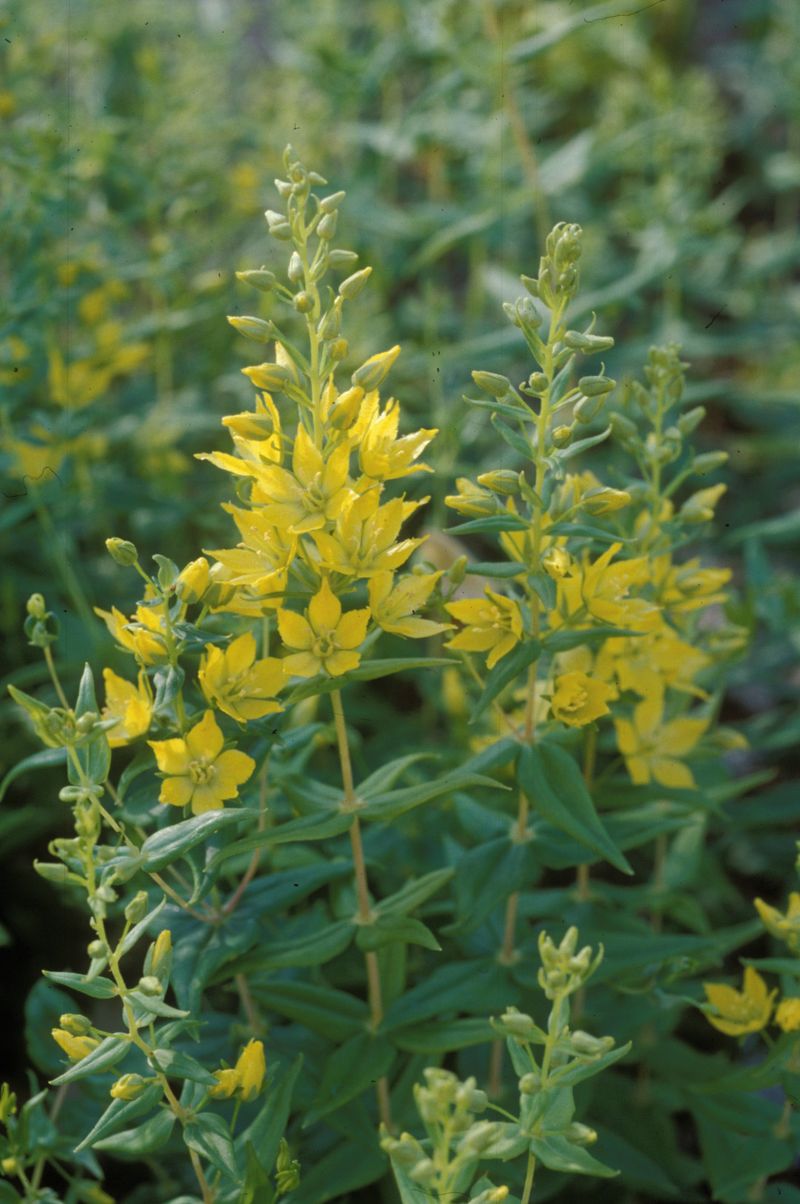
x,y
267,1013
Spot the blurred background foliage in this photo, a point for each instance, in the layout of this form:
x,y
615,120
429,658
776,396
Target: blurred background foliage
x,y
137,150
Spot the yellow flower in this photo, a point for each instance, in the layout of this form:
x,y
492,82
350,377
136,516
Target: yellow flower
x,y
652,747
192,580
245,1078
74,1047
600,591
199,772
130,705
142,634
325,638
382,455
579,699
236,683
740,1012
681,588
365,540
649,663
787,1015
786,927
305,499
493,625
393,605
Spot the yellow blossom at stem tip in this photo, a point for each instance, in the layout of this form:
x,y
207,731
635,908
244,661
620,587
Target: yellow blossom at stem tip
x,y
235,682
653,747
740,1012
579,699
198,771
130,705
324,640
493,625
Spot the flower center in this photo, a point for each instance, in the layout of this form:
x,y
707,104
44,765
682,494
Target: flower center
x,y
324,645
201,772
578,699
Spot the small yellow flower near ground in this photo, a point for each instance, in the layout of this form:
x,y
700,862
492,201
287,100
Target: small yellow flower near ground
x,y
787,1015
246,1078
199,772
236,683
74,1047
493,625
393,605
652,747
130,705
740,1012
325,639
579,699
784,926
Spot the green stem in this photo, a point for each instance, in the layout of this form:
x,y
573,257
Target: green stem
x,y
527,1190
51,668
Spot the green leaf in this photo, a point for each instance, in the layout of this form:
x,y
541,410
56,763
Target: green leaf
x,y
558,1154
576,1072
175,841
507,670
138,930
492,524
308,827
560,640
556,790
580,445
312,950
333,1014
387,929
119,1112
97,988
415,893
178,1065
387,775
345,1169
209,1136
110,1051
492,568
368,671
350,1070
397,802
265,1132
443,1036
487,874
47,756
514,439
476,985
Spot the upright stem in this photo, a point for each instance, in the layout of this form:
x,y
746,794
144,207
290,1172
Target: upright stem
x,y
527,1191
374,991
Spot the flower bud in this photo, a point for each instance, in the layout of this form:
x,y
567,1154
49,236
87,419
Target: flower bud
x,y
699,508
523,314
9,1166
73,1022
253,328
268,376
502,480
303,302
517,1024
122,551
424,1172
458,570
561,435
346,408
492,1195
492,383
375,370
327,226
579,1134
329,204
192,580
708,461
622,427
161,950
586,1044
339,349
136,910
587,343
295,269
330,322
75,1048
261,279
287,1169
352,286
556,563
530,1083
149,985
596,386
538,383
691,419
35,606
96,950
128,1087
339,258
479,1137
278,225
51,871
606,501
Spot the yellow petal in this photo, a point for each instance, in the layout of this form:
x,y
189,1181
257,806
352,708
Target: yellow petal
x,y
240,655
681,735
175,791
172,756
206,798
341,662
306,459
672,773
205,739
324,609
295,630
352,628
233,768
302,664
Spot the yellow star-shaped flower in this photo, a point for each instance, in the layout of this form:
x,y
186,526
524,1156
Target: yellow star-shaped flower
x,y
325,640
493,625
198,772
740,1012
130,705
236,683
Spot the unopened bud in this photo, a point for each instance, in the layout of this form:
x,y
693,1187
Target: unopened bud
x,y
587,343
253,328
96,950
149,985
699,508
530,1083
538,382
458,570
193,580
51,871
268,376
375,370
331,321
579,1134
622,427
518,1024
137,908
330,204
556,563
691,419
295,269
586,1044
128,1087
424,1172
588,408
261,279
606,501
561,435
596,386
339,258
708,462
122,551
75,1023
339,349
327,226
303,302
492,383
35,606
502,480
352,286
346,408
161,950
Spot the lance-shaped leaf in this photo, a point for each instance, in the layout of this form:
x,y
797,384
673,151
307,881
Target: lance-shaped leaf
x,y
210,1137
350,1070
389,929
110,1051
507,670
173,842
119,1112
264,1133
368,671
558,1154
145,1139
556,791
97,988
396,802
